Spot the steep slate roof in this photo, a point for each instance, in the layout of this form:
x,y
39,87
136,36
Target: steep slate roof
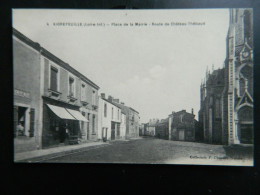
x,y
54,58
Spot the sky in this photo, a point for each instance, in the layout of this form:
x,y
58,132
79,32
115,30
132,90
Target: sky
x,y
155,69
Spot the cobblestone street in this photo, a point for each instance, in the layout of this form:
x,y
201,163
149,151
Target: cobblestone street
x,y
155,151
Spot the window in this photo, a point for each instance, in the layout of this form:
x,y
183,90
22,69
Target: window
x,y
71,86
94,98
105,110
181,118
248,26
118,114
93,126
54,79
83,92
217,108
112,113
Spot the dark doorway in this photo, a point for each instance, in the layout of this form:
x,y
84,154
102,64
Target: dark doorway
x,y
246,133
112,131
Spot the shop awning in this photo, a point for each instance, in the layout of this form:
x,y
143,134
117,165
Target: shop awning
x,y
61,112
77,115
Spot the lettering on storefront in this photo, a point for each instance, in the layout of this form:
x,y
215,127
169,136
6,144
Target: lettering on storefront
x,y
21,93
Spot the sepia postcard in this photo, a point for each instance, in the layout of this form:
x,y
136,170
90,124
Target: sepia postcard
x,y
172,86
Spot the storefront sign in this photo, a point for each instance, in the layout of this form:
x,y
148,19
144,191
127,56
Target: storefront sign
x,y
21,93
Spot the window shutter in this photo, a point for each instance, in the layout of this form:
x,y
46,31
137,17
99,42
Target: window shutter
x,y
32,121
15,110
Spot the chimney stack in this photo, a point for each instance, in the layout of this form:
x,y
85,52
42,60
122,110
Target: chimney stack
x,y
103,95
122,103
192,111
110,98
116,100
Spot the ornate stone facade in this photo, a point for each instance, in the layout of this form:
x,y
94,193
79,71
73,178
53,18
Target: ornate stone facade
x,y
231,100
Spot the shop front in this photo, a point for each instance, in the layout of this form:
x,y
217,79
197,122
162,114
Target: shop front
x,y
62,124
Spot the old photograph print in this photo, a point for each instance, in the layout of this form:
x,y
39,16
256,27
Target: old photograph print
x,y
133,86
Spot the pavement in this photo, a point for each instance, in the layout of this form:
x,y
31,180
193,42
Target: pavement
x,y
143,151
50,153
55,152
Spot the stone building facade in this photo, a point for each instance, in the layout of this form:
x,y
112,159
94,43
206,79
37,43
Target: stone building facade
x,y
162,129
112,122
238,93
52,100
132,118
27,107
236,98
182,126
151,127
211,99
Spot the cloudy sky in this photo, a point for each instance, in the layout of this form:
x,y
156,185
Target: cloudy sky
x,y
154,69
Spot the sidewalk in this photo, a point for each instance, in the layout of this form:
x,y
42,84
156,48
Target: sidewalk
x,y
57,151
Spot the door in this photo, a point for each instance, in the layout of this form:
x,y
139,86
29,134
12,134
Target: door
x,y
112,131
246,133
181,135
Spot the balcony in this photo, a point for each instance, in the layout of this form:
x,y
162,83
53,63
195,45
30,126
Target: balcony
x,y
94,107
84,103
54,94
71,98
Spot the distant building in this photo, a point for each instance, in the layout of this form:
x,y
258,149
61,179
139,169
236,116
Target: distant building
x,y
182,126
142,129
150,128
132,118
112,122
162,129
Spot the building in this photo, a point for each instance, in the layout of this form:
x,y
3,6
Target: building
x,y
182,126
230,103
52,101
141,129
132,118
150,128
112,121
162,129
27,108
238,93
210,113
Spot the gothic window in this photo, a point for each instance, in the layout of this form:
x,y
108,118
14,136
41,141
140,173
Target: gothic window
x,y
248,26
245,114
241,86
217,108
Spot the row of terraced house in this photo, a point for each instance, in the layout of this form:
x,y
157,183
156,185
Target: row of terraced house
x,y
55,105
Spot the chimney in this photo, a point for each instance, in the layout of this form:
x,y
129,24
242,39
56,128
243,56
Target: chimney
x,y
103,95
110,98
116,100
192,111
122,103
